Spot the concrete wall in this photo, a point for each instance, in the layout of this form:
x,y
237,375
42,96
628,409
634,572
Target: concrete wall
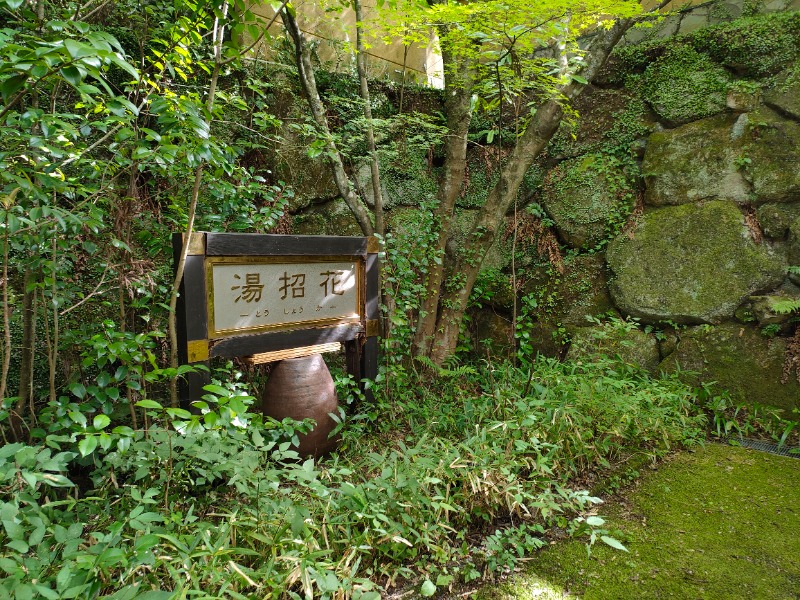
x,y
335,32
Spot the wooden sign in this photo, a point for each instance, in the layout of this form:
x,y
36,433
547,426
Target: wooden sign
x,y
270,297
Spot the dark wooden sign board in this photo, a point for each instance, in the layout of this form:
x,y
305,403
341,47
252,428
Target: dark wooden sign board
x,y
201,336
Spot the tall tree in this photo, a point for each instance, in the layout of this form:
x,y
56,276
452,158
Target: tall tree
x,y
536,49
308,81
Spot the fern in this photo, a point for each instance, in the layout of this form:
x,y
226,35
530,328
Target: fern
x,y
784,307
461,371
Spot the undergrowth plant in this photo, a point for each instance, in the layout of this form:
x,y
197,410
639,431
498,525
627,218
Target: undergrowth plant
x,y
451,475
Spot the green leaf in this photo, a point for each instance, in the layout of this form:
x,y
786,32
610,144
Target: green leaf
x,y
47,593
19,545
179,413
12,85
428,589
579,79
101,421
78,418
78,389
217,389
87,445
595,521
55,480
149,404
613,543
78,49
72,75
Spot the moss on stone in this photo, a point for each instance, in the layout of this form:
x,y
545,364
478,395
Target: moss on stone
x,y
776,219
608,120
616,340
329,218
772,152
785,94
753,46
794,243
694,162
588,198
575,296
740,360
716,524
409,184
690,264
684,85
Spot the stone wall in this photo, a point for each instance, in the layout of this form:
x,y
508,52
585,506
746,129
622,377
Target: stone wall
x,y
706,106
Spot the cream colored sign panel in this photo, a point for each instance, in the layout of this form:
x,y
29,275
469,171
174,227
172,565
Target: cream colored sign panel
x,y
251,296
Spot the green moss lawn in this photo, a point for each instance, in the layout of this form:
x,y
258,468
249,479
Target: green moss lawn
x,y
721,522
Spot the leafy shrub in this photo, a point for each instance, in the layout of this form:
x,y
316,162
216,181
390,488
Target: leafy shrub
x,y
683,85
216,508
755,46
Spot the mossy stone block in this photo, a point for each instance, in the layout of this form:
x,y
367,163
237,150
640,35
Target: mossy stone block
x,y
683,85
785,96
329,218
693,162
310,178
493,333
756,46
587,197
614,340
740,360
575,296
771,146
690,264
794,242
777,218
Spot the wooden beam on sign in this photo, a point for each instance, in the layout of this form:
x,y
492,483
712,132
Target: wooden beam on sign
x,y
192,319
267,357
283,340
250,244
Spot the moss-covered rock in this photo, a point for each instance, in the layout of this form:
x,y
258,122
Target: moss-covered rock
x,y
684,85
493,333
694,162
710,523
785,95
407,185
575,296
493,287
755,46
618,340
794,243
499,254
777,218
749,158
310,178
587,198
764,308
770,149
740,360
330,218
690,264
607,119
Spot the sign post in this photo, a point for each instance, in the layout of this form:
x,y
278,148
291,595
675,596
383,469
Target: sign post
x,y
271,297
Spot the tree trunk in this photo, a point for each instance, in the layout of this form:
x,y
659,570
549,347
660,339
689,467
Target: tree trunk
x,y
306,72
458,84
27,354
361,64
544,124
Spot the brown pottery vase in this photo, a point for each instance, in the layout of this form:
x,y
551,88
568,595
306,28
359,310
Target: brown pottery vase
x,y
302,388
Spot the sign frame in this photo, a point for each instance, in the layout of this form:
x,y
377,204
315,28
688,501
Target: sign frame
x,y
197,341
